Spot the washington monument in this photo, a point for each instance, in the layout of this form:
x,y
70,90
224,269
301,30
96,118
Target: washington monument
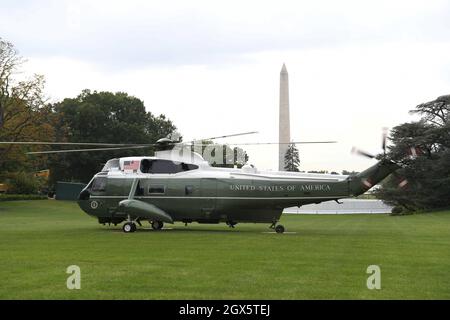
x,y
284,129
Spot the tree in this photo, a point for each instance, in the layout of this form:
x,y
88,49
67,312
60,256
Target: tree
x,y
9,61
291,158
24,114
104,117
422,148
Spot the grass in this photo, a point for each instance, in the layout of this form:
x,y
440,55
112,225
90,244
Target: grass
x,y
325,257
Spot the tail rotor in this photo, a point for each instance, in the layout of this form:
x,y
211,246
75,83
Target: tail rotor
x,y
402,181
362,153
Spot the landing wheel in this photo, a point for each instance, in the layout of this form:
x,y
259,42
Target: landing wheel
x,y
157,225
231,224
129,227
279,229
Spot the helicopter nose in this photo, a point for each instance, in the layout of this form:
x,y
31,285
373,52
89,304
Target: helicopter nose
x,y
84,195
83,201
93,207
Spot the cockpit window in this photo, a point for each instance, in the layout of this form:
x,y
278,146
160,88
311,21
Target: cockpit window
x,y
165,166
99,184
111,164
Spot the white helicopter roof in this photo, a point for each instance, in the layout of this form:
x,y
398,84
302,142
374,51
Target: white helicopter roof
x,y
129,165
182,155
192,158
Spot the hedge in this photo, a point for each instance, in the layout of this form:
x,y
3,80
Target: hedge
x,y
13,197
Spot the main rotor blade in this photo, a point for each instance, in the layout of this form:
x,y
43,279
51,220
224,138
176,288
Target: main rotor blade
x,y
362,153
68,143
264,143
87,150
293,142
226,136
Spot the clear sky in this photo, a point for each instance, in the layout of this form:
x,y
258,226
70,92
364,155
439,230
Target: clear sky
x,y
213,66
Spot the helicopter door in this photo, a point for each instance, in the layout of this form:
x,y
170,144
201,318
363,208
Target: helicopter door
x,y
208,189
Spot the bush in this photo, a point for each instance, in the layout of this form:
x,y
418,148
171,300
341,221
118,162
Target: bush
x,y
23,183
400,211
14,197
397,210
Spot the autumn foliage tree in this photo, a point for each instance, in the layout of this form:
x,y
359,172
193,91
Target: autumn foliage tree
x,y
24,114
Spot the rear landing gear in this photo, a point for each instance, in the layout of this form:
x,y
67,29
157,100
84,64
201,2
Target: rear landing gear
x,y
129,227
278,228
231,224
157,225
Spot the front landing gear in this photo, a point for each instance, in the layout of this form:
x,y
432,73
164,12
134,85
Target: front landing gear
x,y
129,227
278,228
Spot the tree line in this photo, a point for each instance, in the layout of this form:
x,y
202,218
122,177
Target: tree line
x,y
27,115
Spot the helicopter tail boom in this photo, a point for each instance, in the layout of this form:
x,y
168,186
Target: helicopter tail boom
x,y
368,178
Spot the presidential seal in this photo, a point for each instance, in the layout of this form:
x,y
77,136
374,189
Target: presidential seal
x,y
94,204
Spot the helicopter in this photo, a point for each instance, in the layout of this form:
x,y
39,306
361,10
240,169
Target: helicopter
x,y
178,185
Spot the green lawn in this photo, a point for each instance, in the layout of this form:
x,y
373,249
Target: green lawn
x,y
325,258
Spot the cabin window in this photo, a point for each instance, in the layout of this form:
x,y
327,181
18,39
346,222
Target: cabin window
x,y
165,166
146,165
188,190
99,184
156,189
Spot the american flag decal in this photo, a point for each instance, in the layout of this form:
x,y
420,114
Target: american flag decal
x,y
131,165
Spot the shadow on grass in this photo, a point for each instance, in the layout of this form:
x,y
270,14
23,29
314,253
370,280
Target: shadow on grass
x,y
189,230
